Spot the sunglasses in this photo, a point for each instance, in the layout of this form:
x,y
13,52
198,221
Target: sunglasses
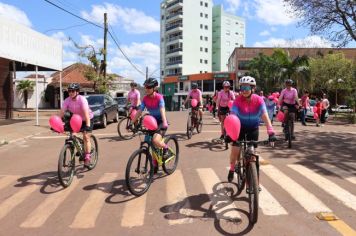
x,y
71,91
245,88
148,87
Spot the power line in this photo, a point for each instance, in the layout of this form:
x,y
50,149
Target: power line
x,y
69,27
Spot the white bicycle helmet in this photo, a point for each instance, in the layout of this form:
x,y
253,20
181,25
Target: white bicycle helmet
x,y
226,84
248,80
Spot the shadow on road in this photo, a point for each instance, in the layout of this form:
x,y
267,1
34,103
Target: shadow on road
x,y
216,206
212,146
48,180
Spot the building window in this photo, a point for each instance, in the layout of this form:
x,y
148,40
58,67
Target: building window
x,y
206,38
181,86
206,15
206,49
206,61
201,49
236,44
201,60
208,85
201,14
206,27
227,32
206,4
201,72
237,33
201,37
201,26
201,3
162,17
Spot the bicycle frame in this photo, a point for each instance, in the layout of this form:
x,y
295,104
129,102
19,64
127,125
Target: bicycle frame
x,y
76,142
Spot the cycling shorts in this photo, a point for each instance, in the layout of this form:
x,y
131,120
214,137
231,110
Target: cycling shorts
x,y
290,107
248,135
223,111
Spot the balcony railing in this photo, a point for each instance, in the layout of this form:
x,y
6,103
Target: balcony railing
x,y
174,3
173,15
174,63
174,50
174,26
175,38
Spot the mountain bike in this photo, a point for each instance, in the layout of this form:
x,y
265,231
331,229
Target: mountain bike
x,y
193,122
226,139
125,128
139,168
247,171
288,129
74,147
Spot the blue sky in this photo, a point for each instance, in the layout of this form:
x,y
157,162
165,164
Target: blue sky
x,y
136,25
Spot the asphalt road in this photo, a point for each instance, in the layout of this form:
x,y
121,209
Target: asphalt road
x,y
317,175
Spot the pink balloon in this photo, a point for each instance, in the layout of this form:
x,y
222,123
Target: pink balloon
x,y
56,123
271,97
316,116
150,122
275,100
210,108
230,104
133,114
232,126
194,102
315,109
280,116
76,123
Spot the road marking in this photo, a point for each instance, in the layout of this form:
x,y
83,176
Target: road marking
x,y
176,193
11,202
8,179
134,212
338,171
334,190
91,208
39,216
269,205
209,180
306,199
342,227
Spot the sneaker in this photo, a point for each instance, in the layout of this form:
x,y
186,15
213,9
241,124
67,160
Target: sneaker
x,y
155,170
222,137
87,161
230,176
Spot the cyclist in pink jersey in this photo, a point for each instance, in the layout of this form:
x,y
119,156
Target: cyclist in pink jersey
x,y
133,97
195,93
224,96
77,104
289,100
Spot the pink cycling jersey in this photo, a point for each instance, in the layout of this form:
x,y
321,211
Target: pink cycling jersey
x,y
195,94
77,106
224,98
134,97
288,96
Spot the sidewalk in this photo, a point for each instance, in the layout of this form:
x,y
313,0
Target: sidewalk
x,y
24,125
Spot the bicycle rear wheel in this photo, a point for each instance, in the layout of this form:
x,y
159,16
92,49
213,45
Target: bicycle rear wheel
x,y
290,128
189,126
139,172
170,164
94,152
66,165
253,192
123,130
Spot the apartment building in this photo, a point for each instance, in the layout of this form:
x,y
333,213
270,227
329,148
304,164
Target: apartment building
x,y
186,37
228,33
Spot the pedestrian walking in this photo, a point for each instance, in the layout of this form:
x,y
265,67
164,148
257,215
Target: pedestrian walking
x,y
324,108
271,106
317,111
305,106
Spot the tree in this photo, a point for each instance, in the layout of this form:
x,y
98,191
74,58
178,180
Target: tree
x,y
25,87
336,19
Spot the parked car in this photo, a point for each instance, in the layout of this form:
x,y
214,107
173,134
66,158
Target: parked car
x,y
342,108
310,111
121,105
104,109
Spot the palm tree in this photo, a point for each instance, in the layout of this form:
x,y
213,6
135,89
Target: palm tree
x,y
25,87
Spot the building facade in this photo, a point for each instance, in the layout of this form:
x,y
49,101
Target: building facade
x,y
186,37
228,33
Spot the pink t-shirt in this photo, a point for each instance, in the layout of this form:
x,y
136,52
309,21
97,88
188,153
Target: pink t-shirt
x,y
134,97
195,94
224,98
288,96
77,106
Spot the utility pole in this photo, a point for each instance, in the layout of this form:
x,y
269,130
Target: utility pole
x,y
105,41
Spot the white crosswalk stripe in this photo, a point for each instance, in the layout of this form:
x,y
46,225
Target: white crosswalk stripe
x,y
328,186
269,205
134,212
306,199
345,174
7,180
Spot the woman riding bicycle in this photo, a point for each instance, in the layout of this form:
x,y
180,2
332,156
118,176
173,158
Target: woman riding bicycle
x,y
249,108
195,93
133,97
224,96
78,104
154,103
289,101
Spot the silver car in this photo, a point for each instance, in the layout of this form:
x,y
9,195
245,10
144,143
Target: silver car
x,y
310,111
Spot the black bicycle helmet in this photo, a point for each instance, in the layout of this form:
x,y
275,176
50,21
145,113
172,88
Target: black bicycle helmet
x,y
74,86
194,85
289,81
133,84
150,82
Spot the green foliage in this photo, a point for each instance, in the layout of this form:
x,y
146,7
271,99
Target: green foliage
x,y
25,87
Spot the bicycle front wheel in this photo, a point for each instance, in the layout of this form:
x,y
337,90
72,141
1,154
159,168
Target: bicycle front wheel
x,y
94,152
66,165
189,127
290,130
123,130
139,172
253,191
199,126
170,163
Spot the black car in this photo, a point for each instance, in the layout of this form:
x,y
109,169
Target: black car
x,y
121,105
104,109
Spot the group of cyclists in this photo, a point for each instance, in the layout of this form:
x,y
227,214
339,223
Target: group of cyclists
x,y
249,107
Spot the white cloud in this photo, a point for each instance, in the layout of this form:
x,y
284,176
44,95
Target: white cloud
x,y
232,5
132,20
265,33
15,14
62,37
307,42
273,29
273,12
